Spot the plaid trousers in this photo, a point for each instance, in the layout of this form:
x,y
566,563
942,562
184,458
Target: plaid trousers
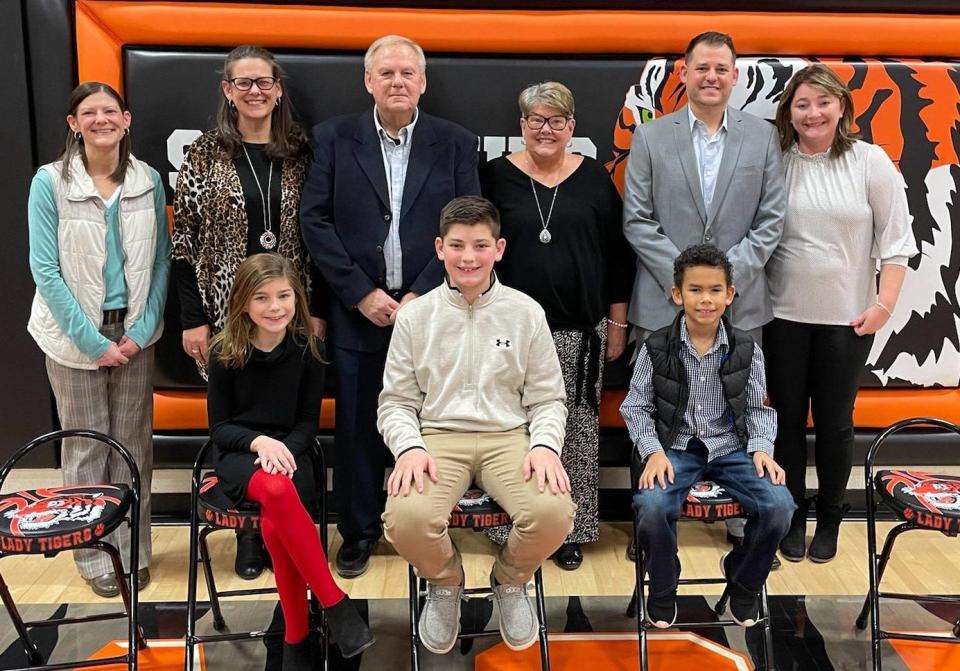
x,y
117,401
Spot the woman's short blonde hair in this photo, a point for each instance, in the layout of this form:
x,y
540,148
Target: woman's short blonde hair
x,y
823,78
548,94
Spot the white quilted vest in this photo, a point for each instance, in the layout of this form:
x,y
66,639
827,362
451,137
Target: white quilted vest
x,y
82,234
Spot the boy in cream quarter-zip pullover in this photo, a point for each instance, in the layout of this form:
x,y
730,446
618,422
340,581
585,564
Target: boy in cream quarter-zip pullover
x,y
472,392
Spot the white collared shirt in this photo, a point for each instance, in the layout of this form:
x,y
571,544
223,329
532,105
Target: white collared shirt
x,y
709,153
396,156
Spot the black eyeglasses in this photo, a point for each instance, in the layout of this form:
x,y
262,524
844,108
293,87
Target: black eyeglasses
x,y
246,83
535,121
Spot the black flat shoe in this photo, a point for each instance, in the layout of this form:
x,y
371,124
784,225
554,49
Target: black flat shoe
x,y
568,556
353,559
249,562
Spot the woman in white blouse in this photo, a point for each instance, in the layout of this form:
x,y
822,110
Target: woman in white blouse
x,y
846,211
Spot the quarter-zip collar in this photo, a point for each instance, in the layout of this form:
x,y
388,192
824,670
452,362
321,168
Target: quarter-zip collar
x,y
455,298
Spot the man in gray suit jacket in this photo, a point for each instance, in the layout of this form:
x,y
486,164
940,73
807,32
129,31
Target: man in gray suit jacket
x,y
707,173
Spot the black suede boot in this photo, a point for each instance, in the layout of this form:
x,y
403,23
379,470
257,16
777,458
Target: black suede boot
x,y
793,547
823,547
298,656
347,628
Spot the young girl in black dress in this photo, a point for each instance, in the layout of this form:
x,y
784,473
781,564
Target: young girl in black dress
x,y
266,384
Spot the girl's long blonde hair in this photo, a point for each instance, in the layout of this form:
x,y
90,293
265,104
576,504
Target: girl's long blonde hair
x,y
234,342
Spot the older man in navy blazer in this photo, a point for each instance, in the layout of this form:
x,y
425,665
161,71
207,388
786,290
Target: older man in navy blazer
x,y
370,212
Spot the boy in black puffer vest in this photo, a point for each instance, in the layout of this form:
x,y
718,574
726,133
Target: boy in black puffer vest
x,y
696,410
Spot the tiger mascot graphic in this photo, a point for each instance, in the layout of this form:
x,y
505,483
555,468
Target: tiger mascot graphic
x,y
53,508
908,107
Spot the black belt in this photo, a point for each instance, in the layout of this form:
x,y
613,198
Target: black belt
x,y
114,316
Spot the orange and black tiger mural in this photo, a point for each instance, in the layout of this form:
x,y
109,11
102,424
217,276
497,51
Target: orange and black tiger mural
x,y
909,107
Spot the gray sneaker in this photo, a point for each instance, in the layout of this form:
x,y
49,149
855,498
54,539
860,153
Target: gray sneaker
x,y
519,626
440,618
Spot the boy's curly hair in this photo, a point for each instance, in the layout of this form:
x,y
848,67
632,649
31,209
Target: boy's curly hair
x,y
701,255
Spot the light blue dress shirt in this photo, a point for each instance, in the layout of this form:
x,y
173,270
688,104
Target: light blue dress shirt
x,y
396,157
709,153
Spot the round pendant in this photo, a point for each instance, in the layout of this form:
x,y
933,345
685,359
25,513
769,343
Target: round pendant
x,y
268,240
545,236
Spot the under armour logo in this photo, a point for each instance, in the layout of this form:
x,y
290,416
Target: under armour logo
x,y
503,343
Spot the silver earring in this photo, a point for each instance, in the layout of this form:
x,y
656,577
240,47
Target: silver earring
x,y
569,144
77,136
126,131
523,141
279,100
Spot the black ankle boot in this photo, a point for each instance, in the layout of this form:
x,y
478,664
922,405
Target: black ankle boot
x,y
347,628
823,547
298,656
793,547
249,562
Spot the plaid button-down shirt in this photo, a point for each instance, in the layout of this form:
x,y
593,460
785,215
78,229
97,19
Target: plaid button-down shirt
x,y
707,415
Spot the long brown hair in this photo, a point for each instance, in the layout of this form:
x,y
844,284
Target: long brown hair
x,y
73,145
287,139
235,341
823,78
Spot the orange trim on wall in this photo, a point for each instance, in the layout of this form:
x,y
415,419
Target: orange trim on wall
x,y
104,26
187,411
876,408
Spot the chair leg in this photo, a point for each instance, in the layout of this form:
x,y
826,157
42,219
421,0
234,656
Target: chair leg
x,y
212,593
124,587
413,586
29,647
882,566
641,606
193,561
542,617
767,618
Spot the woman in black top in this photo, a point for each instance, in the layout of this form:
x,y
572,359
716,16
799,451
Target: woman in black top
x,y
561,216
266,385
238,193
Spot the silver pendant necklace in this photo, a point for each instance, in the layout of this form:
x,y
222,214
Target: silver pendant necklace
x,y
545,236
268,239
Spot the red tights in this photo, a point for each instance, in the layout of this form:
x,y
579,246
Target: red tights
x,y
293,543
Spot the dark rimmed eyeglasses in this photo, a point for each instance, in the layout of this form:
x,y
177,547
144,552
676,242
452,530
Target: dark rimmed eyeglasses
x,y
246,83
536,122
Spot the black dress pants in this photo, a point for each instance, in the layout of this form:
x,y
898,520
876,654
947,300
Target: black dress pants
x,y
815,368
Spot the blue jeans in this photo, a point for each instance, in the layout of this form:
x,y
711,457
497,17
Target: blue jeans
x,y
768,509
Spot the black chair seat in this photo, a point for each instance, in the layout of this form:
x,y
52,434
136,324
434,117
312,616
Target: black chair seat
x,y
215,510
477,510
51,519
708,501
927,499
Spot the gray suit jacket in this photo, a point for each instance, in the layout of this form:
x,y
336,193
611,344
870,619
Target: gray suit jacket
x,y
663,212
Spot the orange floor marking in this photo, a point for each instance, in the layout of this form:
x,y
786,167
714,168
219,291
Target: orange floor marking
x,y
669,651
924,655
162,654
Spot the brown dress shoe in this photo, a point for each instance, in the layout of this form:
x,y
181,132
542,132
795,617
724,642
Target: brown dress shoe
x,y
104,585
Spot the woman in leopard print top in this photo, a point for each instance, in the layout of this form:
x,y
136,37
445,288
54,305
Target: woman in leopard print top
x,y
238,194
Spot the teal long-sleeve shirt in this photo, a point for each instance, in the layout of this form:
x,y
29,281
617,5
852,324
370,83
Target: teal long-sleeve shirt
x,y
43,221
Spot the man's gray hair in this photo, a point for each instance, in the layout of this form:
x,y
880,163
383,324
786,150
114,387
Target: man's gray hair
x,y
393,41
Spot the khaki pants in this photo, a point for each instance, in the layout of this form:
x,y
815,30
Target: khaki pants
x,y
416,524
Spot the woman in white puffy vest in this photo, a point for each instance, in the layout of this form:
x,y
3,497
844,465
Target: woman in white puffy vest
x,y
99,255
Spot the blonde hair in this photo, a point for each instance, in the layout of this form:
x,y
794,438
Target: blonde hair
x,y
548,94
234,342
823,78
